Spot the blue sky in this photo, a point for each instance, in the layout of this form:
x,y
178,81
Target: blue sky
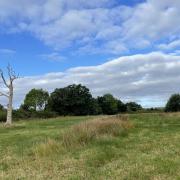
x,y
28,50
45,37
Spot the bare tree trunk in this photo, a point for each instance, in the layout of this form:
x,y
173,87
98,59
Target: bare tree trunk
x,y
9,94
9,108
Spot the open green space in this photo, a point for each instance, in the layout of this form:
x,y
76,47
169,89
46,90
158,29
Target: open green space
x,y
150,149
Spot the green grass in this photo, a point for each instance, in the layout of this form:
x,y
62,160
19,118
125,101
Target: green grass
x,y
150,150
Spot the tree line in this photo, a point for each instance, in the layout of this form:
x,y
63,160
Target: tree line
x,y
78,100
72,100
75,100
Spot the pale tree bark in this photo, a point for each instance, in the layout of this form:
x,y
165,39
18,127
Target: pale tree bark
x,y
9,85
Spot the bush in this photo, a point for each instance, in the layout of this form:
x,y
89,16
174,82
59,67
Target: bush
x,y
1,107
85,132
133,106
44,114
22,114
173,104
2,116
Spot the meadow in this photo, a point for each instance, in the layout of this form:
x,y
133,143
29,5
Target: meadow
x,y
132,146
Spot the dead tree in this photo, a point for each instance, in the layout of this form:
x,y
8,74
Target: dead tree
x,y
10,91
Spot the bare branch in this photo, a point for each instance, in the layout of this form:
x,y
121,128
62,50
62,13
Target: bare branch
x,y
11,73
3,94
3,78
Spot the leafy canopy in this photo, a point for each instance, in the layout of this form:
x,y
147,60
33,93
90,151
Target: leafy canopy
x,y
71,100
173,104
108,104
36,99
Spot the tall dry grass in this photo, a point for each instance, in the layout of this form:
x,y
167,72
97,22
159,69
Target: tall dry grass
x,y
86,132
47,148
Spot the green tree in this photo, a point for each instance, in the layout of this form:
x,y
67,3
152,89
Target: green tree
x,y
36,100
108,104
71,100
133,106
173,104
95,108
1,107
121,106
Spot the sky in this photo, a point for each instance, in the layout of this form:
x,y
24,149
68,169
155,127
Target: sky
x,y
130,48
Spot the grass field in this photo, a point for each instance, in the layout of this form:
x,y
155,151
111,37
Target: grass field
x,y
150,149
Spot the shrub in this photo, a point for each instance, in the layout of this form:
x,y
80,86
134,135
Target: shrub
x,y
133,106
1,107
2,116
22,114
44,114
85,132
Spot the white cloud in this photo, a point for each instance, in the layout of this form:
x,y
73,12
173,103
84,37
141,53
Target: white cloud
x,y
154,20
81,24
54,57
103,27
146,78
172,45
7,51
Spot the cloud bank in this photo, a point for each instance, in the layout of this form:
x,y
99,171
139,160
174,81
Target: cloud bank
x,y
103,27
148,79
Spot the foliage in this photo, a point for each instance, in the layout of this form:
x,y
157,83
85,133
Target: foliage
x,y
1,107
133,106
121,106
152,110
36,100
71,100
23,114
77,100
2,116
108,104
173,104
44,114
95,108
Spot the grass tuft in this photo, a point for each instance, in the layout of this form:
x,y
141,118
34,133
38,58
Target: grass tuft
x,y
86,132
47,149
